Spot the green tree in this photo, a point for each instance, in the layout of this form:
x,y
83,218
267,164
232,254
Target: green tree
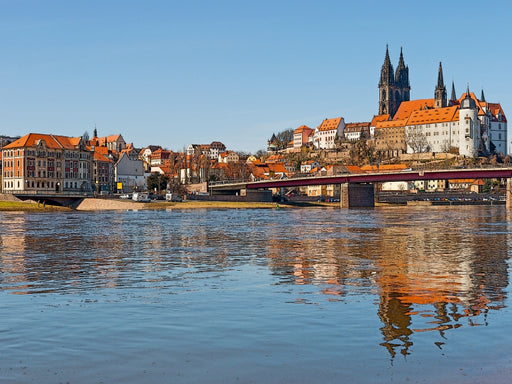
x,y
487,187
157,181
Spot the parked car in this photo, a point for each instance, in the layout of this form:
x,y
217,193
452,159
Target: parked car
x,y
141,197
173,197
125,196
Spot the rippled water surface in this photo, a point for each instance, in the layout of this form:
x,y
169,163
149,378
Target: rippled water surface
x,y
387,295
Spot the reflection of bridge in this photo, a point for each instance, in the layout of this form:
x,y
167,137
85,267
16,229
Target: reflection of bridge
x,y
357,189
66,199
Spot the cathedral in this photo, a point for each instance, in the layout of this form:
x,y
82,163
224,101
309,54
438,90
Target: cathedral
x,y
393,86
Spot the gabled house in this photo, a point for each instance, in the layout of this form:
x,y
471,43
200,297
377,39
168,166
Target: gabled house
x,y
356,131
307,166
145,153
115,143
216,148
327,132
228,157
129,173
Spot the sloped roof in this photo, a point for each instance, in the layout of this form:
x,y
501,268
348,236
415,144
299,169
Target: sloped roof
x,y
495,109
378,118
330,124
436,115
357,127
407,107
100,154
391,124
302,128
52,141
384,168
274,159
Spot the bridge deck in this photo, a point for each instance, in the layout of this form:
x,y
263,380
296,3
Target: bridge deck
x,y
358,178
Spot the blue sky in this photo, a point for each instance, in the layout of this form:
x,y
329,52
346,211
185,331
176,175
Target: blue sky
x,y
172,73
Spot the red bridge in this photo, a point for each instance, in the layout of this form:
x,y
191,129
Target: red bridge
x,y
357,188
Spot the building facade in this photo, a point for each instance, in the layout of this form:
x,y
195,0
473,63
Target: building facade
x,y
42,163
327,132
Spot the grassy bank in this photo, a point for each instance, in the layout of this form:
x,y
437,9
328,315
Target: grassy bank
x,y
32,207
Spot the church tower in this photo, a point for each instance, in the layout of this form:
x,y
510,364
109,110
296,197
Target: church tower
x,y
440,94
402,80
393,87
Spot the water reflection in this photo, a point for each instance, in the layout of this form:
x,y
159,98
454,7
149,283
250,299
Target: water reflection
x,y
430,270
431,276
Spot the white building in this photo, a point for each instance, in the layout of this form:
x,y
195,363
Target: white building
x,y
471,126
327,132
129,171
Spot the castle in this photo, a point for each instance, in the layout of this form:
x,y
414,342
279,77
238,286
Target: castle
x,y
467,125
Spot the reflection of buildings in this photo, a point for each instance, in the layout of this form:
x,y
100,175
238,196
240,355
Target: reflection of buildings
x,y
12,250
429,277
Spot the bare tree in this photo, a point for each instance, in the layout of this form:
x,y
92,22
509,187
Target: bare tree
x,y
416,140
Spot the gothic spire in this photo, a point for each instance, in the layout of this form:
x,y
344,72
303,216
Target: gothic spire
x,y
401,60
454,95
440,93
440,81
402,72
387,72
482,97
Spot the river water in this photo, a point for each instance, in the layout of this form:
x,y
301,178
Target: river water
x,y
384,295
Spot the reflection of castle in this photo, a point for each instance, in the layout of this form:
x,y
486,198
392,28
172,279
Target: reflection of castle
x,y
424,285
425,288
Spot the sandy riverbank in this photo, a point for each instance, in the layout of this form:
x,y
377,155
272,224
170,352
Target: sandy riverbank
x,y
92,204
114,204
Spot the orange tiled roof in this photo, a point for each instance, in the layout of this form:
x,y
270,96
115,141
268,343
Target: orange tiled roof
x,y
106,139
384,168
391,124
407,107
330,124
353,168
100,153
274,158
379,118
436,115
495,108
52,141
302,128
357,127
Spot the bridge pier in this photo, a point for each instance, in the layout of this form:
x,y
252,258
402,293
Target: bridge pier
x,y
357,195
